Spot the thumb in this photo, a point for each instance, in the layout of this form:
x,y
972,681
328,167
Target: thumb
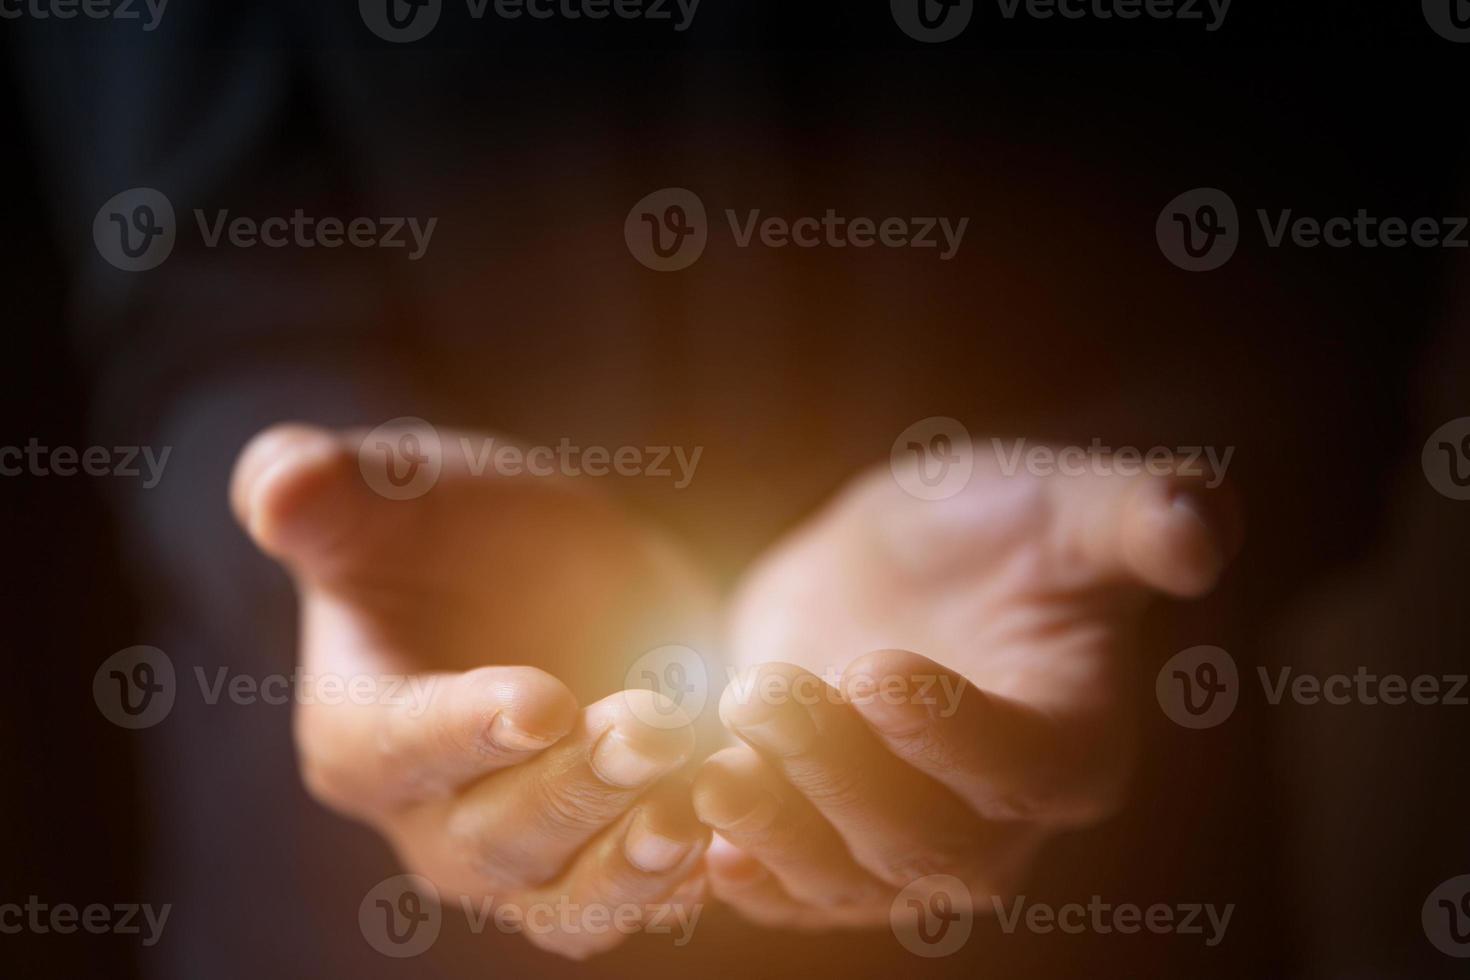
x,y
1169,533
300,494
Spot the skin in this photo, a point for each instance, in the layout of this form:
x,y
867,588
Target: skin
x,y
928,687
936,687
533,779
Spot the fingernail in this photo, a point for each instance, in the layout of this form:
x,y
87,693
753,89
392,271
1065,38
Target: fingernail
x,y
894,717
617,762
653,852
506,734
761,813
885,702
787,731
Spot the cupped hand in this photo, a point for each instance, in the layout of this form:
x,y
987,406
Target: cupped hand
x,y
468,626
935,687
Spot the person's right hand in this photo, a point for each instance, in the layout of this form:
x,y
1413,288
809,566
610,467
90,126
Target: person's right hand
x,y
506,602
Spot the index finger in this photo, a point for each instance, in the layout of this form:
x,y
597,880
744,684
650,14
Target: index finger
x,y
424,736
1007,759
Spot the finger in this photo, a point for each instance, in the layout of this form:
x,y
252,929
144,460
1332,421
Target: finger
x,y
424,736
633,870
1168,533
297,491
1172,533
897,822
755,893
746,885
647,855
521,827
405,580
753,807
304,495
1007,760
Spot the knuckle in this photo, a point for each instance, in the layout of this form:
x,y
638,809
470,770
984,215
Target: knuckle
x,y
833,787
570,804
927,747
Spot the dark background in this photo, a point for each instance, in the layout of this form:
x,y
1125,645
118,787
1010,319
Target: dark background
x,y
1060,321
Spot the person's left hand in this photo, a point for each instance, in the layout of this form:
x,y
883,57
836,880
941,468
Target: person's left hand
x,y
860,771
